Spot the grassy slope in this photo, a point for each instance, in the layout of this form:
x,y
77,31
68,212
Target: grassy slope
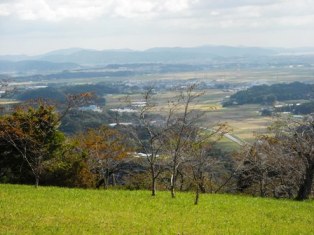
x,y
46,210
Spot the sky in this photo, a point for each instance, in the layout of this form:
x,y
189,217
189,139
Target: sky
x,y
37,26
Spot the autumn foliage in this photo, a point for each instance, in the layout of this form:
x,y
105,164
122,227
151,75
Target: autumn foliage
x,y
34,150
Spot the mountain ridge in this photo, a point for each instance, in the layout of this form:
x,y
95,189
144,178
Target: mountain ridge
x,y
189,55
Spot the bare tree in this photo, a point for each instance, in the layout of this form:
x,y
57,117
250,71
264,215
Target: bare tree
x,y
169,138
279,164
165,136
297,137
76,100
152,142
199,158
180,123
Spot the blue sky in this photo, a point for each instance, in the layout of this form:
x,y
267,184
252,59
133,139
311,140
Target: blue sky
x,y
37,26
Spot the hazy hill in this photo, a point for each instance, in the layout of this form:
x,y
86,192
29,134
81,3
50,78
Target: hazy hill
x,y
14,57
156,55
191,55
34,66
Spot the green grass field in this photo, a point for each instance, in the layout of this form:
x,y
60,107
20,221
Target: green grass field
x,y
50,210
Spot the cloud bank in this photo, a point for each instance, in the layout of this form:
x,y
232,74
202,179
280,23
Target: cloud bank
x,y
222,13
58,10
145,23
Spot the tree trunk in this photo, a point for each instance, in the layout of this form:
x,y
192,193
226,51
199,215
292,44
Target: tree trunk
x,y
197,195
173,179
36,181
153,185
37,174
306,186
99,183
181,182
106,179
262,187
172,186
113,179
202,184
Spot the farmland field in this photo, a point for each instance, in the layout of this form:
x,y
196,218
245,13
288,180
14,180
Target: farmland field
x,y
244,120
51,210
7,101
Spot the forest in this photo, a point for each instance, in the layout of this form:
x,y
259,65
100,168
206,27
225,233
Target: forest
x,y
265,94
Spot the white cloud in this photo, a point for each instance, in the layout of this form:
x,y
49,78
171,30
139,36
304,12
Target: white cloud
x,y
56,10
201,13
5,10
146,23
253,14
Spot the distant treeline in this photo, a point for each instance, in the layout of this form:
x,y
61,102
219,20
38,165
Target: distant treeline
x,y
71,75
79,121
305,108
34,66
265,94
59,94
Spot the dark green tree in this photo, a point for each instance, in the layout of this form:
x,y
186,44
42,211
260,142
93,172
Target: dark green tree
x,y
30,137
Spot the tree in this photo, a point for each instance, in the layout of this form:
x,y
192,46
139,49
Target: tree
x,y
297,136
31,134
105,148
198,155
69,168
169,130
151,138
267,168
181,119
282,162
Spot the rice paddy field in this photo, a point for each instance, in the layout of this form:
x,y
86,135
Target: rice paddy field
x,y
244,120
8,101
51,210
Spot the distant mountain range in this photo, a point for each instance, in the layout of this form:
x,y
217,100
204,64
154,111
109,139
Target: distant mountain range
x,y
75,57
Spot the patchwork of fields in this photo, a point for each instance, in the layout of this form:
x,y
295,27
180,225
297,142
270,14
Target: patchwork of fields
x,y
244,120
